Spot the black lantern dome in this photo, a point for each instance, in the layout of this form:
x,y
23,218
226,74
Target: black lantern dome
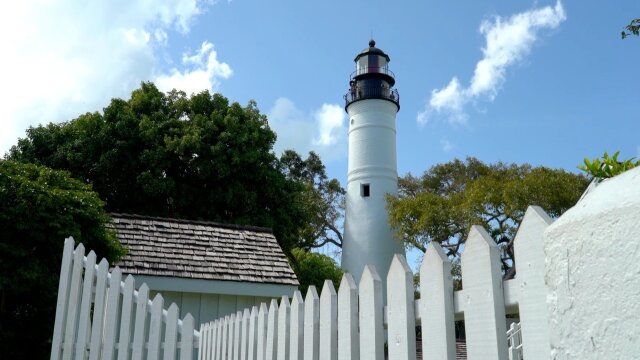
x,y
372,78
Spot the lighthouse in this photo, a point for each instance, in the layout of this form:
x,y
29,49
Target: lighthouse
x,y
372,104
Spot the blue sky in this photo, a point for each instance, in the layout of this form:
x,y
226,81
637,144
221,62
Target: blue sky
x,y
542,82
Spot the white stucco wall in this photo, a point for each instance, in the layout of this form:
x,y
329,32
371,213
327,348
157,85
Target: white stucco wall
x,y
372,160
593,273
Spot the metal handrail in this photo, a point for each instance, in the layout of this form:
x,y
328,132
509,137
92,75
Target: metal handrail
x,y
373,70
372,93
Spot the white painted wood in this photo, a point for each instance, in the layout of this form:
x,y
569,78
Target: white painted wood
x,y
401,310
252,341
236,335
529,256
171,333
140,329
311,324
63,296
186,338
271,346
84,323
112,315
213,340
436,305
262,332
225,331
124,340
296,343
371,315
349,338
98,311
230,332
485,322
73,308
244,343
328,322
284,316
203,343
155,328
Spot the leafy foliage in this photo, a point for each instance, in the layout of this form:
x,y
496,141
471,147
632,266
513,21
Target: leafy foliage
x,y
313,269
632,29
39,208
606,167
322,199
172,155
446,200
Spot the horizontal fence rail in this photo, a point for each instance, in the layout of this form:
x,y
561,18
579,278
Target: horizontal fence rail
x,y
98,316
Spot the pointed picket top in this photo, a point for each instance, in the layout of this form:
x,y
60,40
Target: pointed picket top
x,y
73,302
252,346
349,340
284,316
311,324
186,341
126,321
171,333
140,330
155,328
244,344
224,339
112,314
84,323
237,333
97,324
529,257
328,322
371,315
272,331
297,326
478,238
262,331
436,304
401,310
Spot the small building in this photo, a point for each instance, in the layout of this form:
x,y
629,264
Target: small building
x,y
207,269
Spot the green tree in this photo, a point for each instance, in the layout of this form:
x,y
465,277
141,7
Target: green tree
x,y
39,208
632,29
446,200
322,200
173,155
607,166
313,269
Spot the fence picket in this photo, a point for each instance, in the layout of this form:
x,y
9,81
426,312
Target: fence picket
x,y
112,315
140,329
63,296
311,324
186,338
253,335
224,329
236,336
124,342
271,347
215,334
328,322
348,339
371,315
297,326
171,333
262,331
203,345
484,314
401,310
155,328
246,315
230,332
98,311
436,305
84,323
284,315
73,302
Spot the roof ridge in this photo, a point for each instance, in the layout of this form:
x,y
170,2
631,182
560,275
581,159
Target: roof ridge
x,y
194,222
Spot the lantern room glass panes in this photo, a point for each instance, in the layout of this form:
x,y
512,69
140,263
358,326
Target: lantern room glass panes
x,y
372,64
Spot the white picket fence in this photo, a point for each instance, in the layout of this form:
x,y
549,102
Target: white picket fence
x,y
350,324
354,323
98,316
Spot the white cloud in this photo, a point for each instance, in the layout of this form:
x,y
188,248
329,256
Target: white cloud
x,y
202,72
68,57
446,145
322,131
508,41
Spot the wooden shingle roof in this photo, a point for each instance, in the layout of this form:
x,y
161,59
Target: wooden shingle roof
x,y
201,250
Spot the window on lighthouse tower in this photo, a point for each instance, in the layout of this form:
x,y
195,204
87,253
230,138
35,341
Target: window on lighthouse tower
x,y
365,190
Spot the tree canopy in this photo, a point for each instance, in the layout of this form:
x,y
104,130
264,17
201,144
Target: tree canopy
x,y
196,157
446,200
39,208
632,29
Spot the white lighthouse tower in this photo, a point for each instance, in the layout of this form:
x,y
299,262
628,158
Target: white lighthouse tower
x,y
372,104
